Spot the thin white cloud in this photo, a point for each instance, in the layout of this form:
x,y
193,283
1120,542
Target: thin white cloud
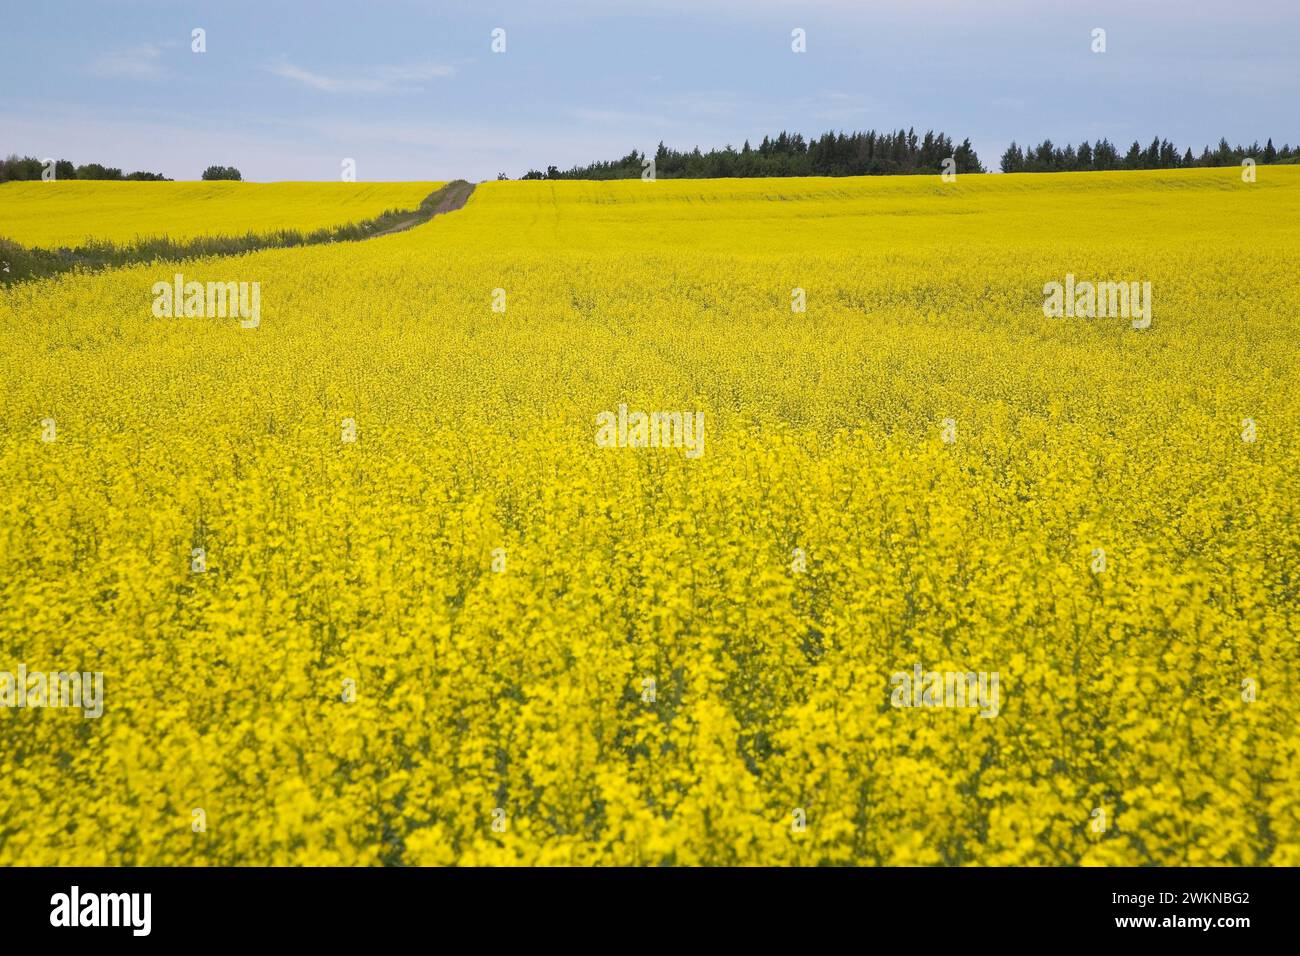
x,y
137,63
383,79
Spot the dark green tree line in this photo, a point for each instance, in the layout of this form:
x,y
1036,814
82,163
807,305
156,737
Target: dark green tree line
x,y
18,168
1047,157
869,153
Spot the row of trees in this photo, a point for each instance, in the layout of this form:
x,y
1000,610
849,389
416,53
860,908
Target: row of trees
x,y
869,153
1161,154
18,168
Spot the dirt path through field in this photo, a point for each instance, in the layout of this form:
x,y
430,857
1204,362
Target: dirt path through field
x,y
451,197
21,264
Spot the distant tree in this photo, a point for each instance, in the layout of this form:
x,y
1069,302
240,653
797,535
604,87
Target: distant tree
x,y
1105,155
1043,158
96,171
965,157
1168,158
222,172
1151,155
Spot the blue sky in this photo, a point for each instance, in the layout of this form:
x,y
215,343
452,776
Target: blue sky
x,y
288,89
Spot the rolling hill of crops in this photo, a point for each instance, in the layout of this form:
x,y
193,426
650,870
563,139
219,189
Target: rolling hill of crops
x,y
366,585
49,215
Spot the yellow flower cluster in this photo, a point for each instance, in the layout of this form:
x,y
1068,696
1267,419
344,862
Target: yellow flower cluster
x,y
49,215
365,589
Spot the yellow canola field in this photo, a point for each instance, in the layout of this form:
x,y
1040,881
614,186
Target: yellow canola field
x,y
474,636
57,214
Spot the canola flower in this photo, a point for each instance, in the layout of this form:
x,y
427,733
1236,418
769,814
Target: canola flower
x,y
472,635
50,215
